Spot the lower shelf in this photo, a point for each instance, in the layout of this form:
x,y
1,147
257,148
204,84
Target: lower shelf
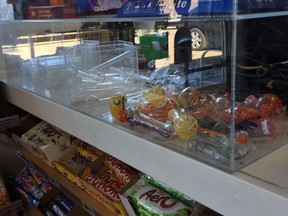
x,y
83,199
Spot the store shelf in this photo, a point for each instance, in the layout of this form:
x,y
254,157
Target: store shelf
x,y
256,190
62,182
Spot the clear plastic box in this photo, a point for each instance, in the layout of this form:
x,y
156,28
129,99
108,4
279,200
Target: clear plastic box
x,y
99,70
88,70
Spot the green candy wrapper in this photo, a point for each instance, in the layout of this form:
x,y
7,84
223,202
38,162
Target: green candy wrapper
x,y
151,201
174,193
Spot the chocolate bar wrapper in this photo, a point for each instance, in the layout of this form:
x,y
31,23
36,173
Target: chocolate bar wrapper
x,y
107,176
46,134
109,191
149,200
76,163
91,148
160,185
40,179
24,191
29,183
87,154
122,171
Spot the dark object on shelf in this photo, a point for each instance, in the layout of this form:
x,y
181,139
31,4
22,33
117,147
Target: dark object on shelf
x,y
262,63
182,43
183,50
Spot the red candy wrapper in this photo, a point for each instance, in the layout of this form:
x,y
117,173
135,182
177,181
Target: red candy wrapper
x,y
122,171
100,185
40,179
106,176
29,183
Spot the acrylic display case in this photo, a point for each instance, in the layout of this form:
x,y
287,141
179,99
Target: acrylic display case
x,y
224,106
239,112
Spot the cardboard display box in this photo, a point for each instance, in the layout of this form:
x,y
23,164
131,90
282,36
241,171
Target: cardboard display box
x,y
116,207
66,171
77,179
49,152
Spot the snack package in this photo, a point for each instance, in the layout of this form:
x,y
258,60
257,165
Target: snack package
x,y
180,196
87,154
49,134
4,197
24,191
40,179
70,165
29,184
91,148
48,141
103,191
149,200
109,191
107,176
122,171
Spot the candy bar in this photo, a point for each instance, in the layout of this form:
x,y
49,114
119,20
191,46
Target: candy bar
x,y
40,179
46,134
180,196
149,200
100,185
106,176
24,191
79,160
91,148
119,169
29,183
87,154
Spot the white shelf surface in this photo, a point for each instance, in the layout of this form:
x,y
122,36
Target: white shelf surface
x,y
259,189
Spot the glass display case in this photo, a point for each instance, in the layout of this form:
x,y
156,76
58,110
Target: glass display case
x,y
232,93
219,96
